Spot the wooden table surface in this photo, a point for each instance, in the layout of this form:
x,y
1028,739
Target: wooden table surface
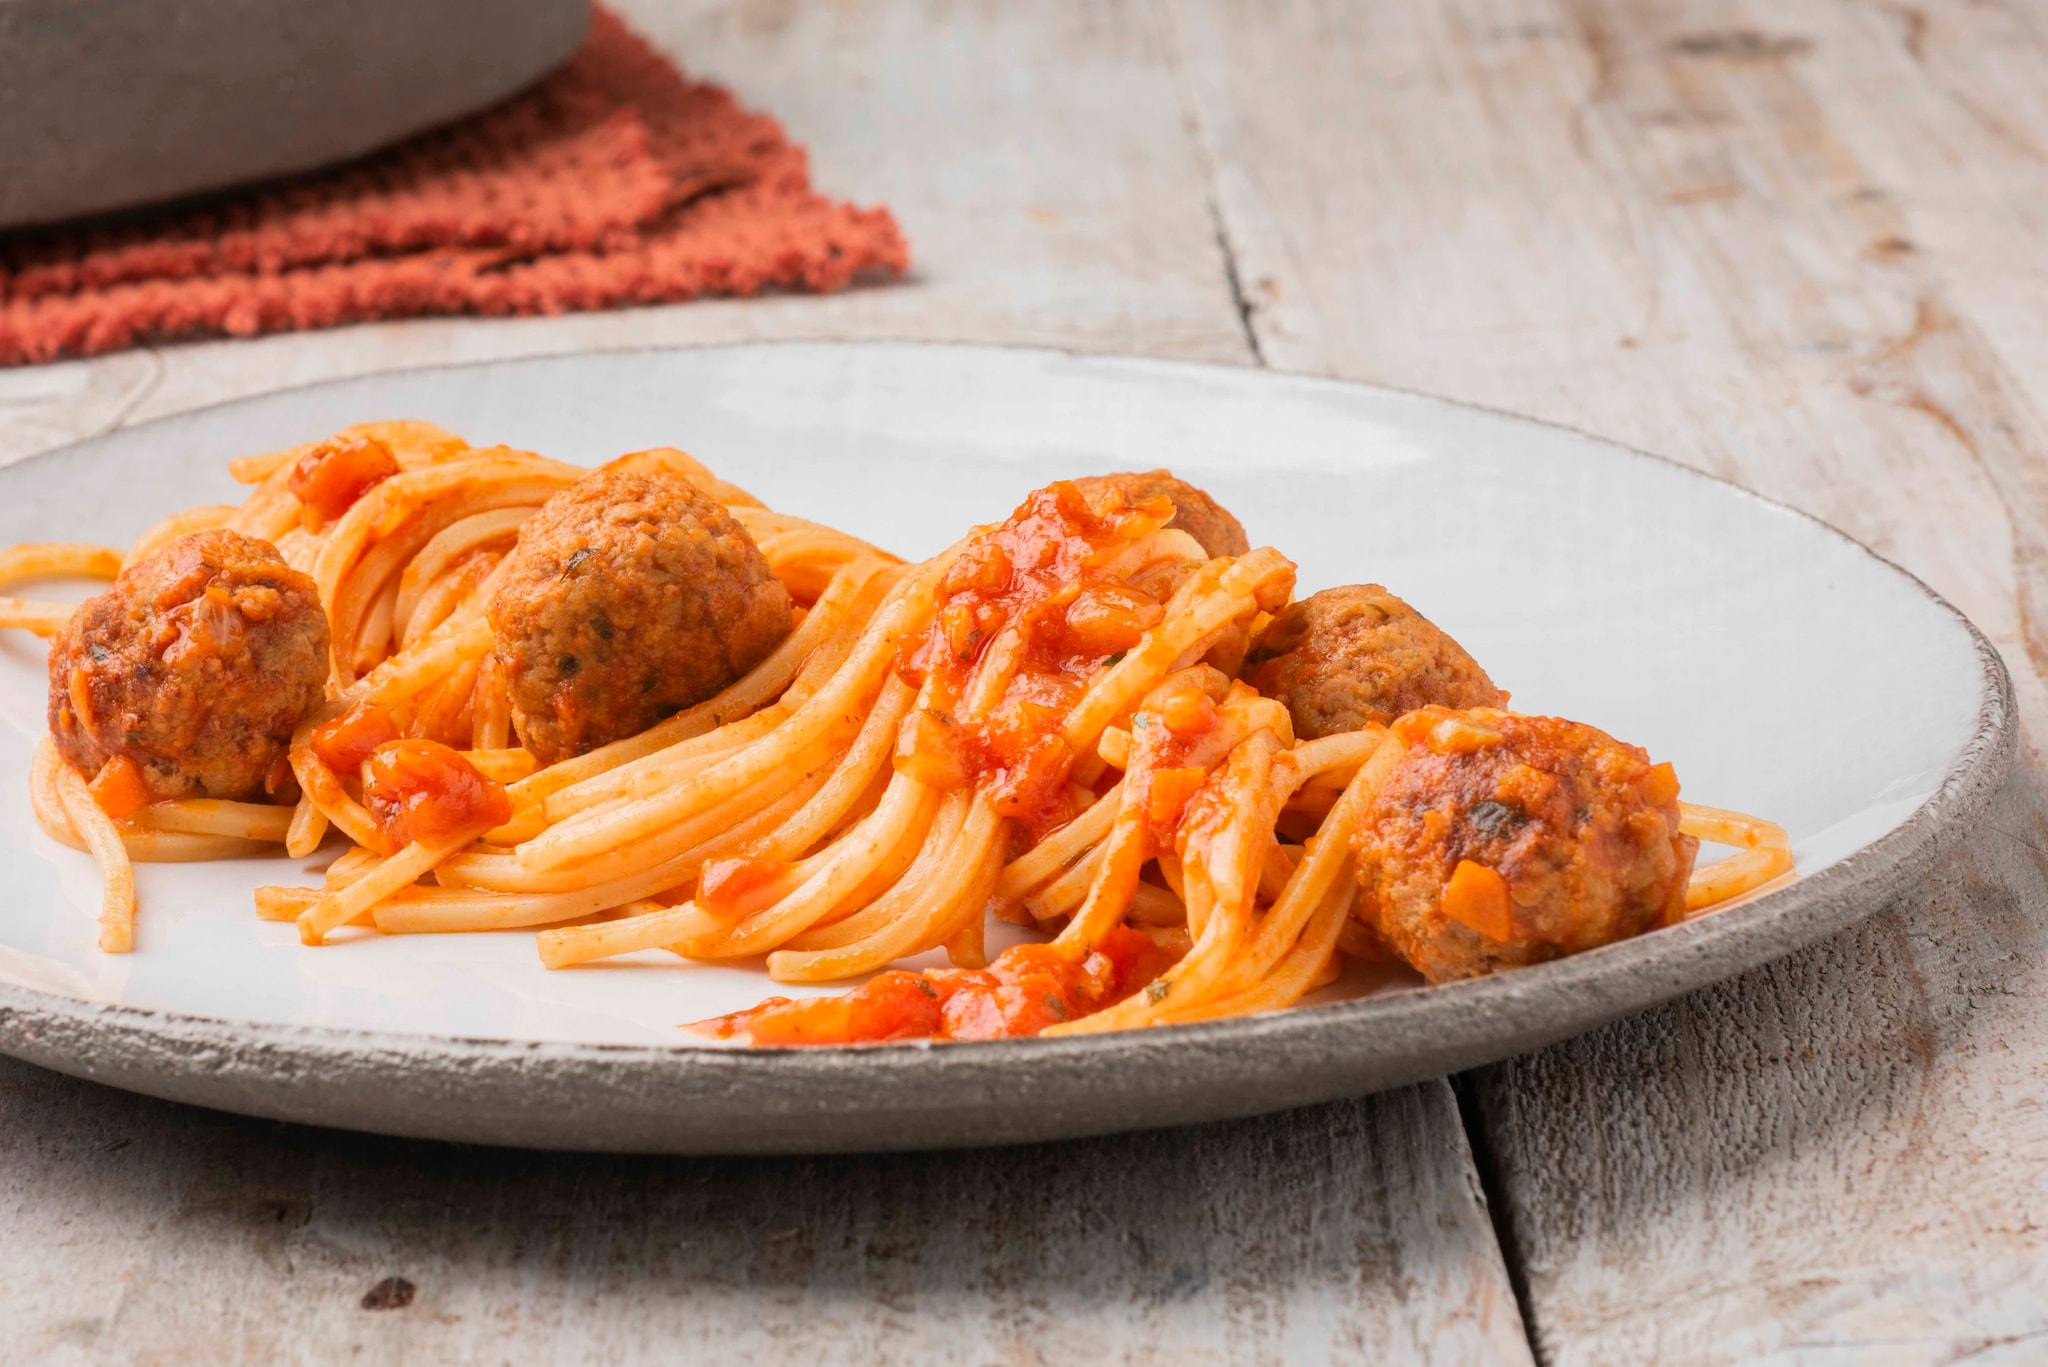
x,y
1801,245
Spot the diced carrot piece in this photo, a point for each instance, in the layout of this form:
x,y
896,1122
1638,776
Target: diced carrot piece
x,y
118,788
1477,898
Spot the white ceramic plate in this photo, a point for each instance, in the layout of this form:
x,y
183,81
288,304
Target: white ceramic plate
x,y
1782,668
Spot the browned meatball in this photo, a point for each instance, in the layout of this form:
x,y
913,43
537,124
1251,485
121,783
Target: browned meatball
x,y
1194,512
630,596
1572,838
195,665
1349,657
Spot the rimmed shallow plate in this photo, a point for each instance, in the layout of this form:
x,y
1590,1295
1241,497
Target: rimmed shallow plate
x,y
1784,669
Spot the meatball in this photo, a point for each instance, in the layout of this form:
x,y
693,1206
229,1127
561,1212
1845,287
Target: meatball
x,y
1498,840
1349,657
196,666
1194,512
630,596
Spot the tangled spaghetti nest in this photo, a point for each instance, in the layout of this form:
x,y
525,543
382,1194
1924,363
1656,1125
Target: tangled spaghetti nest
x,y
886,779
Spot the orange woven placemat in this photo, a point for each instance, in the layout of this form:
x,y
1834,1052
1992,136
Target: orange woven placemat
x,y
615,181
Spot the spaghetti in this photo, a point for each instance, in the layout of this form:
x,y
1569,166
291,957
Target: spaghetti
x,y
1049,722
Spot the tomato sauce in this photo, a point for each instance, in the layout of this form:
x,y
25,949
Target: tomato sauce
x,y
345,742
730,888
423,790
1164,737
330,478
1026,989
1040,573
209,627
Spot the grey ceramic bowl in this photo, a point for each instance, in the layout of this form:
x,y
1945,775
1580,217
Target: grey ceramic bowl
x,y
108,104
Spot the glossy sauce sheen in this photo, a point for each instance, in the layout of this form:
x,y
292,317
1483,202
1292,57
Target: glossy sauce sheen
x,y
423,790
330,478
1039,573
345,742
1026,989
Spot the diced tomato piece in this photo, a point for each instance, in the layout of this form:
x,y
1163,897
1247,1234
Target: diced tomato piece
x,y
330,478
1033,788
345,742
931,748
423,790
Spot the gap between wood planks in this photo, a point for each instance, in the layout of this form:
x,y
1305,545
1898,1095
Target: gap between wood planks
x,y
1499,1209
1463,1086
1205,158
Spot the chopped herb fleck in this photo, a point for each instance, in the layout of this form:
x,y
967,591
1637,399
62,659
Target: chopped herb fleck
x,y
1157,991
100,654
1497,819
925,987
1115,659
1056,1006
578,558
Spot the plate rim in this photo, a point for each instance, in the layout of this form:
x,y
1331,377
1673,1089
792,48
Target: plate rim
x,y
270,1068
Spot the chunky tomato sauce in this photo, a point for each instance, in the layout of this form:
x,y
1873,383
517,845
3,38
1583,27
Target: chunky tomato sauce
x,y
423,790
1040,573
1025,990
330,478
345,742
1164,736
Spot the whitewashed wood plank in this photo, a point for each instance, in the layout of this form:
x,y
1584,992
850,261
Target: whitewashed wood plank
x,y
1798,245
141,1231
1838,1158
1442,204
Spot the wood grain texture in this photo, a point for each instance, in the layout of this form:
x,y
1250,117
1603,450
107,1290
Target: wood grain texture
x,y
1838,1158
162,1233
1798,245
1039,158
1795,244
